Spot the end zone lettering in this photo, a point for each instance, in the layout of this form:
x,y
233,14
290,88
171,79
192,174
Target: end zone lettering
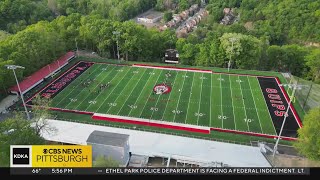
x,y
61,156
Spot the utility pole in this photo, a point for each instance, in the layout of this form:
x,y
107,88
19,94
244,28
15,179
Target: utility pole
x,y
75,39
117,33
232,40
13,67
294,87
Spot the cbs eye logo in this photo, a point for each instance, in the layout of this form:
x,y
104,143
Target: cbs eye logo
x,y
20,156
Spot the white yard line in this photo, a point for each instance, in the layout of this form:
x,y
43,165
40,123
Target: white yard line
x,y
155,105
189,99
255,105
234,115
124,89
145,85
132,91
149,95
275,132
221,102
244,106
174,117
113,88
76,86
109,72
200,101
168,97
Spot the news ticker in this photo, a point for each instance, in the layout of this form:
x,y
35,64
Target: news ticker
x,y
160,171
50,156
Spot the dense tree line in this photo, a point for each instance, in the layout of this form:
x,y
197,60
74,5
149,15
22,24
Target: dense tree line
x,y
15,15
41,43
248,52
119,10
308,143
286,21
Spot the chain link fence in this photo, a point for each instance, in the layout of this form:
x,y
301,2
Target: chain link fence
x,y
308,96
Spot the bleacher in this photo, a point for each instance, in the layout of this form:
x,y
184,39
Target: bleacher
x,y
45,72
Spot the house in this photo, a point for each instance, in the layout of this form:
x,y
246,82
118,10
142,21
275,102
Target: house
x,y
229,16
226,11
112,145
184,15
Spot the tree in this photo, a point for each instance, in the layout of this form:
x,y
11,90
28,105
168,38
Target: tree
x,y
216,13
160,5
20,131
40,112
183,5
188,53
3,35
243,51
287,58
308,143
167,16
15,15
102,161
276,58
16,131
203,57
313,61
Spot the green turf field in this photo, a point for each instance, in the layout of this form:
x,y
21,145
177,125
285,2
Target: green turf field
x,y
214,100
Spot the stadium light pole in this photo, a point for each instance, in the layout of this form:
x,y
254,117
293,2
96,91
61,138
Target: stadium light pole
x,y
117,33
294,87
232,40
75,39
13,67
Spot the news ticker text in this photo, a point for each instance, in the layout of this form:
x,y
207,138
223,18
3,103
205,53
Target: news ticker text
x,y
161,171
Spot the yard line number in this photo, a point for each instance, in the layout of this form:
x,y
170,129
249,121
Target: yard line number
x,y
73,100
92,102
199,114
248,120
222,117
176,111
132,106
154,109
112,104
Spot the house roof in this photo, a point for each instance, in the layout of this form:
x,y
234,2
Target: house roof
x,y
107,138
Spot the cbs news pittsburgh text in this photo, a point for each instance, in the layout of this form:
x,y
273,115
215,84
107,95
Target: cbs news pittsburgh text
x,y
77,160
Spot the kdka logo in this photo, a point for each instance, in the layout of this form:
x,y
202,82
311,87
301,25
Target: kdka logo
x,y
20,156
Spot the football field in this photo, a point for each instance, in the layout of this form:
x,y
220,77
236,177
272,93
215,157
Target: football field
x,y
200,98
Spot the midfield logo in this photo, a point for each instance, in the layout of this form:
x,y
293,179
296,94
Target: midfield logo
x,y
161,89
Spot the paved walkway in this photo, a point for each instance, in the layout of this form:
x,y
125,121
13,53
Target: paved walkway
x,y
7,102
